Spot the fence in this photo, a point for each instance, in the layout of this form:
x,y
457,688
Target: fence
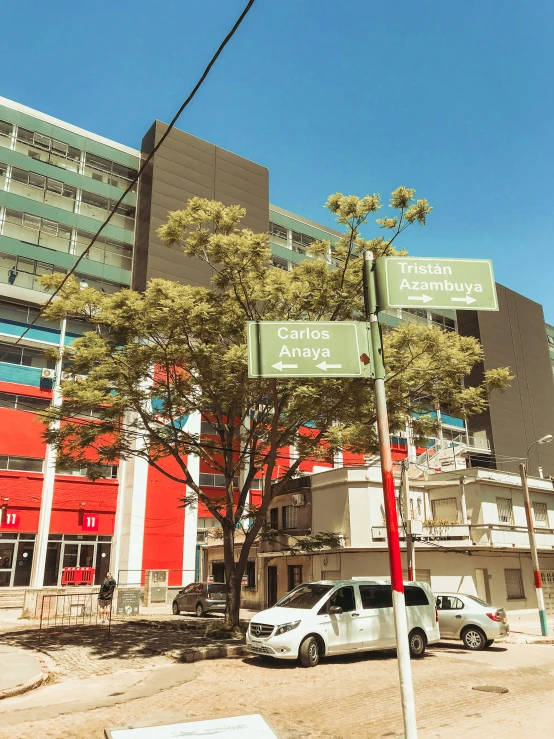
x,y
68,610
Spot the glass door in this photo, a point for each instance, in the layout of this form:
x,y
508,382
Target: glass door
x,y
23,564
6,563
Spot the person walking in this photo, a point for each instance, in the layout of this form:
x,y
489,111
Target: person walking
x,y
105,597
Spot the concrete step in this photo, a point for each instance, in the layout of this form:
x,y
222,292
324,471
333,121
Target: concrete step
x,y
12,598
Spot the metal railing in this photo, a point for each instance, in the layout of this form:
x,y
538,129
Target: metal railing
x,y
63,611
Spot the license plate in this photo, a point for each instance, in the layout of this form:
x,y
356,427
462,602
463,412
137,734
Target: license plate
x,y
255,644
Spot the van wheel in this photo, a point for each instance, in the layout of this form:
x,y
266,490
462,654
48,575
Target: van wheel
x,y
474,638
417,641
199,610
309,652
175,608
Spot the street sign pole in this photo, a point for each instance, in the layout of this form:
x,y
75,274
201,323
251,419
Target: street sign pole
x,y
393,539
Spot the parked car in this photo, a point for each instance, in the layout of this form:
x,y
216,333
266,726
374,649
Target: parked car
x,y
201,598
470,619
340,617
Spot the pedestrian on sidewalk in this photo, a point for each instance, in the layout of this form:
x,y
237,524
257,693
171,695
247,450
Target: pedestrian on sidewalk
x,y
105,597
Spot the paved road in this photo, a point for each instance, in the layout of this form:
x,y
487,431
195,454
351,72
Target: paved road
x,y
345,697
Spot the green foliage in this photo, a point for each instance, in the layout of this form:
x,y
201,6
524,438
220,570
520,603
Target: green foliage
x,y
154,358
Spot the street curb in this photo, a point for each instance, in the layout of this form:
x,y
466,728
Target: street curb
x,y
213,652
25,687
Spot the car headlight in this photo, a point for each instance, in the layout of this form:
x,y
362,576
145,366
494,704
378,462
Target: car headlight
x,y
286,627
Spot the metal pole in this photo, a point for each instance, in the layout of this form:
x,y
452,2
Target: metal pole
x,y
533,546
410,553
391,516
41,544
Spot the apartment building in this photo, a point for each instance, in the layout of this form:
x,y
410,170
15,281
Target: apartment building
x,y
473,536
57,184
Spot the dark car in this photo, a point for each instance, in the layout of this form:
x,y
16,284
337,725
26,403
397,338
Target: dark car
x,y
201,597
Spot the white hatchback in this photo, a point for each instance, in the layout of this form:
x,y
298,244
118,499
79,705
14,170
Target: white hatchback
x,y
470,619
340,617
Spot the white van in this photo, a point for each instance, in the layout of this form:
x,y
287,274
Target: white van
x,y
338,617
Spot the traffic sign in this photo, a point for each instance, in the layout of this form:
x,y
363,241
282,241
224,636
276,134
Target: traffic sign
x,y
458,284
309,349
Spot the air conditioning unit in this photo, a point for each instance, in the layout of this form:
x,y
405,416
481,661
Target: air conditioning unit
x,y
298,499
79,377
48,374
66,376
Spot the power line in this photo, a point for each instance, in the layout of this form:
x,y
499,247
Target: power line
x,y
141,169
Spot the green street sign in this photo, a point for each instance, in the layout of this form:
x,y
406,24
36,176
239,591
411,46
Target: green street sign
x,y
309,349
458,284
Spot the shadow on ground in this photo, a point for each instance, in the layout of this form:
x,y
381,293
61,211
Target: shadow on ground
x,y
129,640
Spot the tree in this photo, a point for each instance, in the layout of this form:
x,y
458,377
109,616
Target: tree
x,y
152,359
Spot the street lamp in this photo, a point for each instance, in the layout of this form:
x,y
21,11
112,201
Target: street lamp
x,y
543,440
531,530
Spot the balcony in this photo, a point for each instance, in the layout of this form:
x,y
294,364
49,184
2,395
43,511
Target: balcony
x,y
455,532
505,535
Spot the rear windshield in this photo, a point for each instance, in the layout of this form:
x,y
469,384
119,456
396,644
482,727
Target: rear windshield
x,y
478,600
304,596
217,588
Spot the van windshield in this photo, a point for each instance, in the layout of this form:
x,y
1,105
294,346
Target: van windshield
x,y
304,596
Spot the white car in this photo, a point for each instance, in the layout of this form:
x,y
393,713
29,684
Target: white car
x,y
340,617
470,619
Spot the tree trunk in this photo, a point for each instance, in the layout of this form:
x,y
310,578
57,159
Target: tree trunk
x,y
232,578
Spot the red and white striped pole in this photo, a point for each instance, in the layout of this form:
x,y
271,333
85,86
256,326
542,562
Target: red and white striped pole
x,y
533,547
391,516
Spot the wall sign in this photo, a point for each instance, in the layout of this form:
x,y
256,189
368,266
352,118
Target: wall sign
x,y
9,520
90,522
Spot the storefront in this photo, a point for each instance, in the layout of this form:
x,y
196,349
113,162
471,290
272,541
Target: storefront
x,y
64,550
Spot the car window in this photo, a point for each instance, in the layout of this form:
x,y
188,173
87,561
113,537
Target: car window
x,y
344,598
188,589
415,596
478,600
449,603
217,588
376,596
304,596
198,588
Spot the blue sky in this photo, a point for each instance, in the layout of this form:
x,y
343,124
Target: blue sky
x,y
454,99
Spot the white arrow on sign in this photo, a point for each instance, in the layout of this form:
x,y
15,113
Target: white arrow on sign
x,y
466,300
324,366
423,298
280,366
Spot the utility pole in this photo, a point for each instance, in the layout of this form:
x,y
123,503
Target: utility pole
x,y
49,476
533,546
410,549
391,516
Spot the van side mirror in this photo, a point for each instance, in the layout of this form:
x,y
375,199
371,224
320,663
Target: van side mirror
x,y
335,609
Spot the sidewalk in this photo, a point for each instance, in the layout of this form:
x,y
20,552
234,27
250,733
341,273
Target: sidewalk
x,y
529,632
19,671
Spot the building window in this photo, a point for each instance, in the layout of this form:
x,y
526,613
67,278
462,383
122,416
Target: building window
x,y
420,575
23,402
276,230
445,509
251,574
257,484
34,230
104,250
540,514
289,517
43,189
514,585
505,511
104,170
280,263
216,481
6,130
47,149
274,518
208,429
218,571
23,464
294,576
25,356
